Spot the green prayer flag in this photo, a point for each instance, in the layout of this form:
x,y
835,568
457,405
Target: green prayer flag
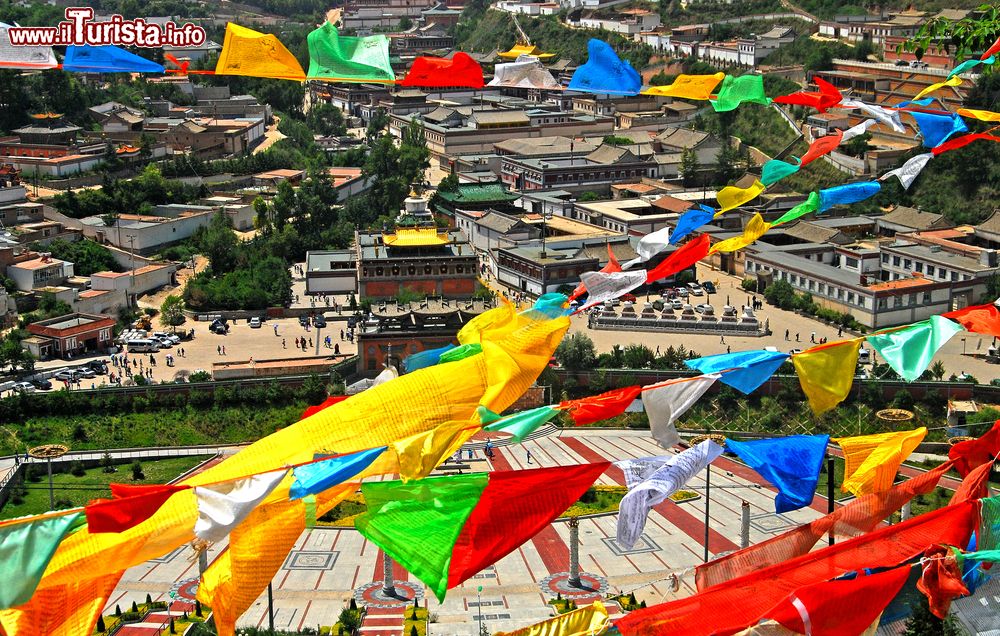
x,y
335,56
775,170
989,524
737,90
522,424
417,523
460,352
909,351
25,552
310,503
811,204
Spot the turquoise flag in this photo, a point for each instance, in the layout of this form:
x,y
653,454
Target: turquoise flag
x,y
776,170
25,552
742,370
519,425
909,351
428,358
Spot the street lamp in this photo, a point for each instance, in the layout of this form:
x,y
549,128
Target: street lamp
x,y
479,608
48,452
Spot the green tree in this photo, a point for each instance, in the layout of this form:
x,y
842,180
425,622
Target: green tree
x,y
378,122
589,195
637,356
86,255
327,120
937,370
576,353
414,157
689,167
218,242
172,311
349,619
780,294
923,623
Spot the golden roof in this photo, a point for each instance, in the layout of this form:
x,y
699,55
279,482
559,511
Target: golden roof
x,y
526,49
45,115
415,237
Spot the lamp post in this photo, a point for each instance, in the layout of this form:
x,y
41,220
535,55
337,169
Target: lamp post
x,y
131,243
721,441
479,607
48,452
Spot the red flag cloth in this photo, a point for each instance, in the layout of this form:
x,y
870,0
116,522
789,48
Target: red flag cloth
x,y
992,50
941,579
127,511
862,515
841,607
971,453
600,407
461,71
729,608
822,146
960,142
612,266
976,485
328,402
827,97
681,259
515,506
983,319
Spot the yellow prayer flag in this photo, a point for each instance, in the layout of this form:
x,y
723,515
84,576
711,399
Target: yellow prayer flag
x,y
983,115
688,87
591,619
753,231
63,609
951,81
826,373
421,453
256,54
732,197
871,461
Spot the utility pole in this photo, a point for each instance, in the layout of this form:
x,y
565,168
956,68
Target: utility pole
x,y
745,525
131,242
574,552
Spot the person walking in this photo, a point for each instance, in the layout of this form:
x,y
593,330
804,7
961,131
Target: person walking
x,y
812,337
218,350
275,330
223,349
786,335
336,349
283,344
529,456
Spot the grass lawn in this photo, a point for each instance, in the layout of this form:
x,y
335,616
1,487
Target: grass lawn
x,y
72,491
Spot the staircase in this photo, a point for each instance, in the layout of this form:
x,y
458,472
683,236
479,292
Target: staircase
x,y
383,621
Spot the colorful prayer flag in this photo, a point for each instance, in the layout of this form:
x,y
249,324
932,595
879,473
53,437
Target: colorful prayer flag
x,y
951,81
871,461
328,402
595,408
858,130
314,478
732,197
605,72
222,507
338,57
255,54
941,578
908,172
421,453
426,358
961,142
602,287
936,129
984,319
522,424
882,115
742,370
993,50
738,90
526,72
775,170
131,506
982,115
967,65
25,551
649,246
826,373
682,258
909,351
461,352
666,403
847,194
755,229
106,59
822,146
691,221
444,530
586,620
791,464
610,267
811,204
461,71
698,87
827,97
972,453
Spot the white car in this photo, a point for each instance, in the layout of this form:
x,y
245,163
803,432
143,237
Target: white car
x,y
682,292
255,322
23,387
165,343
163,335
676,304
696,289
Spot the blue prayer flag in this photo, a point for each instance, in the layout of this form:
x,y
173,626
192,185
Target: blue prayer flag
x,y
847,194
936,129
791,464
743,370
550,305
427,358
605,72
106,59
314,478
691,221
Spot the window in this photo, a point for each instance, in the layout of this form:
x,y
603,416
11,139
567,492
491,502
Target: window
x,y
913,299
444,269
885,258
427,269
920,267
895,302
411,270
895,261
930,270
882,304
907,263
927,298
459,269
852,262
379,271
954,276
850,297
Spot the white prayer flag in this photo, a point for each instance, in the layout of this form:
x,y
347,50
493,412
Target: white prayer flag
x,y
908,172
388,373
882,115
639,470
649,246
222,507
24,57
526,72
666,403
637,503
608,286
857,131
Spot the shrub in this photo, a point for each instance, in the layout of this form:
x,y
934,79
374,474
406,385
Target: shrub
x,y
200,376
62,504
149,599
413,630
749,284
135,608
131,617
76,469
100,625
107,464
137,474
118,610
33,474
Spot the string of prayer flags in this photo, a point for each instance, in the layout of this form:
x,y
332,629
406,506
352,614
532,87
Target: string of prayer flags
x,y
345,58
790,464
941,578
775,170
327,403
909,350
871,461
106,59
602,287
691,221
649,246
667,480
826,373
882,115
24,57
822,146
605,72
255,54
461,71
843,606
935,128
682,258
526,72
314,478
755,229
961,142
426,358
909,171
130,506
551,305
981,115
951,81
609,267
974,486
697,87
988,534
595,408
972,453
811,204
422,452
25,552
847,194
665,403
732,197
591,619
222,507
739,90
827,97
444,530
984,319
519,425
742,370
968,65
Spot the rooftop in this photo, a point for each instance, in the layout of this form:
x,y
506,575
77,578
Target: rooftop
x,y
913,218
902,283
479,193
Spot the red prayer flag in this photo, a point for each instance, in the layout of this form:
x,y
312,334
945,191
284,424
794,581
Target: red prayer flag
x,y
992,50
984,319
960,142
439,72
822,146
328,402
612,266
600,407
971,453
827,97
131,506
941,579
515,506
681,259
821,609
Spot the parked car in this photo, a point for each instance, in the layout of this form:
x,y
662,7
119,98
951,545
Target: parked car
x,y
255,322
695,289
165,343
172,337
793,352
23,387
143,345
100,367
682,292
219,326
676,304
705,309
319,322
708,287
65,375
41,384
303,320
864,356
85,372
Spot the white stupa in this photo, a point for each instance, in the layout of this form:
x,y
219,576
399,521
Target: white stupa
x,y
415,211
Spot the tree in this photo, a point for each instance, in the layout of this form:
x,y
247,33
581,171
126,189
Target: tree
x,y
350,620
637,356
137,474
728,161
414,157
101,628
172,311
937,370
87,256
326,120
576,352
589,195
780,294
376,125
923,623
689,166
857,146
966,37
218,243
863,49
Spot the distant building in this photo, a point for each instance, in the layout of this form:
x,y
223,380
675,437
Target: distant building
x,y
31,270
906,219
473,197
165,225
595,172
69,335
536,271
331,272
